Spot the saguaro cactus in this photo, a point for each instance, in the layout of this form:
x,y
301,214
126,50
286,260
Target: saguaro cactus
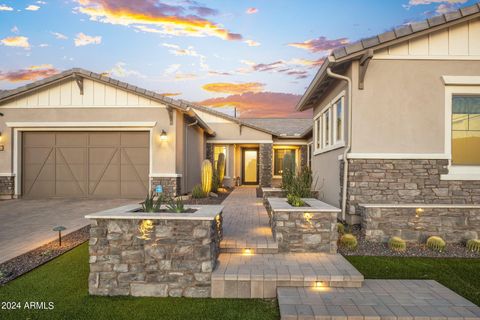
x,y
221,168
206,176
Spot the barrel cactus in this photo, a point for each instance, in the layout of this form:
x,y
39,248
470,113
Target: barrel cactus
x,y
473,245
436,243
221,168
349,241
397,244
207,176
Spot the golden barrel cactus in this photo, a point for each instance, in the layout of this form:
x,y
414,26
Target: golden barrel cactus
x,y
436,243
207,174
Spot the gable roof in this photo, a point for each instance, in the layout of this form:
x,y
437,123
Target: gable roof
x,y
364,47
6,95
284,127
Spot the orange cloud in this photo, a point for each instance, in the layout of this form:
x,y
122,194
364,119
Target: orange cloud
x,y
261,105
171,94
307,62
158,17
252,43
83,40
19,41
233,88
29,74
251,10
320,44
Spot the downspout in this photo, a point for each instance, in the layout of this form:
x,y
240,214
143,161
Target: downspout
x,y
349,141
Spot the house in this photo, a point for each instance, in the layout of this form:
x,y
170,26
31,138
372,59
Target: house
x,y
397,125
81,134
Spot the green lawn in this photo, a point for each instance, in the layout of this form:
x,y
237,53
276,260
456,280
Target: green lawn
x,y
64,282
460,275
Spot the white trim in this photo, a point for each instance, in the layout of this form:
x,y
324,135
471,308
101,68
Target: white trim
x,y
330,148
84,125
461,80
7,174
423,57
290,143
399,156
239,141
165,175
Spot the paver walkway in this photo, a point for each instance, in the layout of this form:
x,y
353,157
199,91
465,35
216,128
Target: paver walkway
x,y
246,223
27,224
377,299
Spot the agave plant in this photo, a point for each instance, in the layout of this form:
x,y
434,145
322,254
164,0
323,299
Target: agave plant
x,y
176,206
397,244
151,204
436,243
473,245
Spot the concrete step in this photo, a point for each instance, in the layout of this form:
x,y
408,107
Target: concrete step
x,y
259,275
377,299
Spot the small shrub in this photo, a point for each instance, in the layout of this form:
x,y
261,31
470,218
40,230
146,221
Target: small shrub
x,y
473,245
436,243
197,192
397,244
349,241
176,206
295,201
340,228
150,204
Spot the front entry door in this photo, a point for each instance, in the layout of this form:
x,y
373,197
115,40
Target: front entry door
x,y
249,166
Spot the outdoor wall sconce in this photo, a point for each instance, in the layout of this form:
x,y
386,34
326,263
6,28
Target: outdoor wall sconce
x,y
2,147
145,228
163,136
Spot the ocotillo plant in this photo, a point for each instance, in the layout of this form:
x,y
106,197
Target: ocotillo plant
x,y
206,176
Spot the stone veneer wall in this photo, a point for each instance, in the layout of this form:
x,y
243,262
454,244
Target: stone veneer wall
x,y
7,187
303,156
209,152
265,162
405,181
294,233
172,186
452,224
177,261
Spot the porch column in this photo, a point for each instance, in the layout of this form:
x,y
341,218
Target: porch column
x,y
265,164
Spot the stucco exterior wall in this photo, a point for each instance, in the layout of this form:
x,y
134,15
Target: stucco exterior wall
x,y
194,155
404,100
231,131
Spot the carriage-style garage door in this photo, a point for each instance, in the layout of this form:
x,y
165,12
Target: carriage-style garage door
x,y
85,164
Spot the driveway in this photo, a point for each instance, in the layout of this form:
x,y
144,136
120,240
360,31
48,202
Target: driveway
x,y
28,224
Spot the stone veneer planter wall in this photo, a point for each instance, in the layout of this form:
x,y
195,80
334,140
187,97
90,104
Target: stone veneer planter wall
x,y
177,260
172,186
303,229
7,187
454,223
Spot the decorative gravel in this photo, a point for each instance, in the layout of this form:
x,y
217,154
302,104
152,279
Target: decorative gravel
x,y
26,262
369,248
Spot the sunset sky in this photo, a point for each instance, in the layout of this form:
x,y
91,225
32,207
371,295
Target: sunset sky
x,y
256,55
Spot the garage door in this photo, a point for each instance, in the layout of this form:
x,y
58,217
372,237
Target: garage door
x,y
85,164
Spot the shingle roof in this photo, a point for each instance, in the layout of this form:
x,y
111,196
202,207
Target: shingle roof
x,y
283,127
406,30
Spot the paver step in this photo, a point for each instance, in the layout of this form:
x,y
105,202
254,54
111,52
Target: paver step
x,y
376,300
251,246
259,275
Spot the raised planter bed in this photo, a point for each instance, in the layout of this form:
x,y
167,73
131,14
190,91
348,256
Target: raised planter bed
x,y
154,254
312,228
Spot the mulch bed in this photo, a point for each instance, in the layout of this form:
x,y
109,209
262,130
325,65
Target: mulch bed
x,y
211,200
369,248
26,262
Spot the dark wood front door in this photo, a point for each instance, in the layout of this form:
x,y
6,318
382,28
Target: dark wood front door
x,y
249,166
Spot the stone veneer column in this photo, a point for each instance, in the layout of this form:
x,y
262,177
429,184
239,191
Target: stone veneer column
x,y
265,165
209,152
172,186
303,155
7,187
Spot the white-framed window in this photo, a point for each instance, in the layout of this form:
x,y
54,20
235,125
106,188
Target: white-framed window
x,y
329,126
462,131
217,149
